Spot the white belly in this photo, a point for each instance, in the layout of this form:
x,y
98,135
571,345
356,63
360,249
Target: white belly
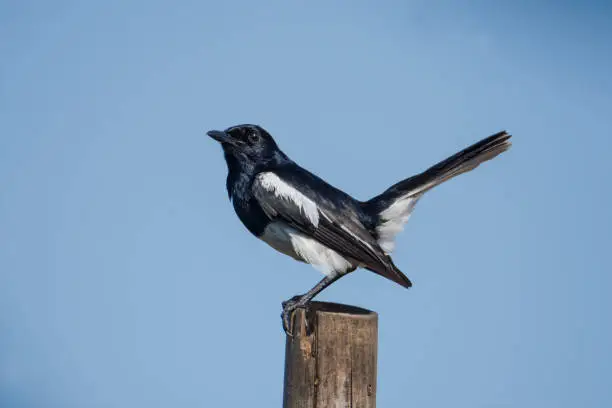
x,y
301,247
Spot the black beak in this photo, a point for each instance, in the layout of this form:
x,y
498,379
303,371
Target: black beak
x,y
221,137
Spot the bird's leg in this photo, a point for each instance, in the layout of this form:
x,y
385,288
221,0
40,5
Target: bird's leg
x,y
295,302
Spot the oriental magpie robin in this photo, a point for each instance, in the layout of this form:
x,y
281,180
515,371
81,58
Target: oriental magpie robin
x,y
302,216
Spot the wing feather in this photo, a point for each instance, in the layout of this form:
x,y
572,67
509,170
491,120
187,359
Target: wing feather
x,y
336,228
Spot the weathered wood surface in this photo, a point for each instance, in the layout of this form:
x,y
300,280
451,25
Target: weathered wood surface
x,y
334,365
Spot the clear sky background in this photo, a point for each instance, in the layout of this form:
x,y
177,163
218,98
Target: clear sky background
x,y
126,279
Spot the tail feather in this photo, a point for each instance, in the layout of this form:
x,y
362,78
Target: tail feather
x,y
394,206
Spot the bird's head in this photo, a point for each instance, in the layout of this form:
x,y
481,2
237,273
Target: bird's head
x,y
247,143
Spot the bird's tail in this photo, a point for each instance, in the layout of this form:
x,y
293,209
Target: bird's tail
x,y
393,207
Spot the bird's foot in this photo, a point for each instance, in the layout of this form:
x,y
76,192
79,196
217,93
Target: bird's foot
x,y
289,307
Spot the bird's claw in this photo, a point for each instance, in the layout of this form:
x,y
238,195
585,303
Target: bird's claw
x,y
294,299
287,315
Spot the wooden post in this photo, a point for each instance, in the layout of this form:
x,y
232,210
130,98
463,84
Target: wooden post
x,y
334,364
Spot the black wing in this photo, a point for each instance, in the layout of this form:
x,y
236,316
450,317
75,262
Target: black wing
x,y
325,214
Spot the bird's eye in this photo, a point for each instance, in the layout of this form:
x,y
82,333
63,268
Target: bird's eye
x,y
253,137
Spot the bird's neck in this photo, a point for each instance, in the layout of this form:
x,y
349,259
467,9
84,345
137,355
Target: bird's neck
x,y
241,173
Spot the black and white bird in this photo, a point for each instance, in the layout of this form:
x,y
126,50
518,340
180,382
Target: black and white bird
x,y
301,215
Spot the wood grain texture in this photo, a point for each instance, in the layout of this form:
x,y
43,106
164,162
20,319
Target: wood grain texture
x,y
334,364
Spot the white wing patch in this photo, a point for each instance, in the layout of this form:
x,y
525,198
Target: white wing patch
x,y
289,241
393,220
276,185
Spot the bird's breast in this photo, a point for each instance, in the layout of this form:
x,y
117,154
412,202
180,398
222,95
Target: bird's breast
x,y
252,215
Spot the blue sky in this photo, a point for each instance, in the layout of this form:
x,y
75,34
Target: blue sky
x,y
126,280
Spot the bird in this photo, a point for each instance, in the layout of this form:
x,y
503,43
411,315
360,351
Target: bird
x,y
301,215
